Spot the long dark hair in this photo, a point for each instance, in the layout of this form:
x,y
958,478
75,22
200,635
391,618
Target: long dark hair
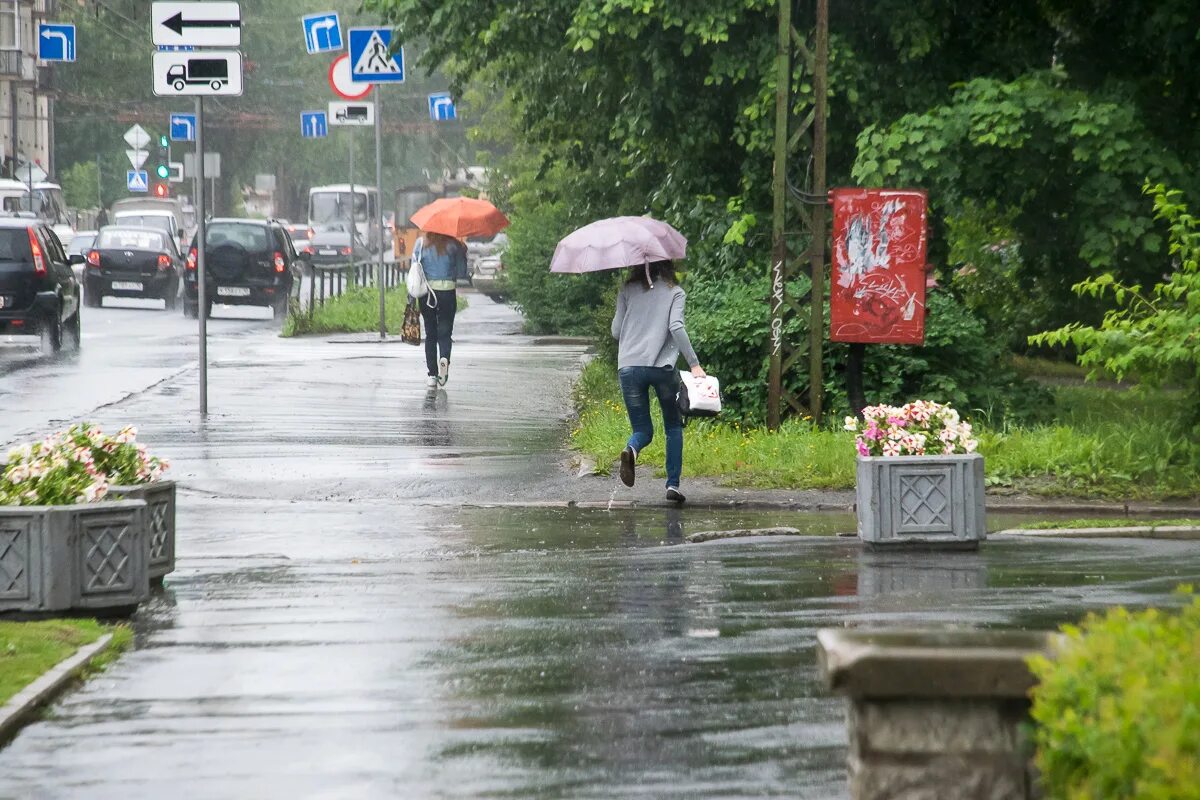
x,y
656,271
438,242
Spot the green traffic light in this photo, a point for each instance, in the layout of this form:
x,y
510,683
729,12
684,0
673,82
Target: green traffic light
x,y
163,141
163,171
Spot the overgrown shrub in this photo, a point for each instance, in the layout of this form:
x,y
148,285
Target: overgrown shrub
x,y
1118,709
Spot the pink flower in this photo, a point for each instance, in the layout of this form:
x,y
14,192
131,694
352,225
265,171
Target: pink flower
x,y
863,450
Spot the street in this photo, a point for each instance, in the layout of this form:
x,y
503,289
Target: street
x,y
353,615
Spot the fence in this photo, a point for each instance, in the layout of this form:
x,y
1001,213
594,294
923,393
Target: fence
x,y
327,282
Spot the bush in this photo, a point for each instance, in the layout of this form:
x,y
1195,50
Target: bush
x,y
1118,709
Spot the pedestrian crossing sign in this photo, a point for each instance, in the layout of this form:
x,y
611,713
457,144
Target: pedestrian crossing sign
x,y
371,56
137,180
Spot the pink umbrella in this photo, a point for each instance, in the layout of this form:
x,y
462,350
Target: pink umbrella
x,y
616,243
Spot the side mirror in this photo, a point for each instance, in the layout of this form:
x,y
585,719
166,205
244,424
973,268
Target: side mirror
x,y
76,258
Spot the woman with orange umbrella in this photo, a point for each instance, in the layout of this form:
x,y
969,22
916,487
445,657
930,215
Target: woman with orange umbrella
x,y
443,257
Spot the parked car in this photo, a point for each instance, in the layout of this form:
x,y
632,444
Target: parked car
x,y
248,262
39,294
132,262
332,247
485,260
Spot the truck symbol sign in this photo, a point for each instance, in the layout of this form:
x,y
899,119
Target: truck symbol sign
x,y
211,71
352,114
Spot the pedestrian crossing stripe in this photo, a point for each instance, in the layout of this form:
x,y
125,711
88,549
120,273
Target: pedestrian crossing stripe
x,y
375,58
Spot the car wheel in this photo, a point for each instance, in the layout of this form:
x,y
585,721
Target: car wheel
x,y
74,329
280,308
52,333
171,298
208,310
92,298
191,310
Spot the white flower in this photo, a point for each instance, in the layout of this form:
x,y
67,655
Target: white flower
x,y
851,424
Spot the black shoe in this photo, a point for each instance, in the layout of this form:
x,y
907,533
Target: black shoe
x,y
628,456
675,496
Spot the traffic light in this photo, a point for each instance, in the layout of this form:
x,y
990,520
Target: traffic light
x,y
161,168
160,190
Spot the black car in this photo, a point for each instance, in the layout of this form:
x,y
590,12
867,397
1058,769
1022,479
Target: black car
x,y
38,291
248,262
132,262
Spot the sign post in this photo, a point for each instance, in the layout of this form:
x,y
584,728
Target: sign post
x,y
372,59
201,226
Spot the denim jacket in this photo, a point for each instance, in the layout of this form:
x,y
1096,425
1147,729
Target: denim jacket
x,y
448,266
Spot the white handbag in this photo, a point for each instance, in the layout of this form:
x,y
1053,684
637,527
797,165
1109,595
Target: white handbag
x,y
699,397
415,282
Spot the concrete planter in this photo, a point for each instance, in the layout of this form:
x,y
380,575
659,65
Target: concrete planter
x,y
88,557
160,523
935,713
932,501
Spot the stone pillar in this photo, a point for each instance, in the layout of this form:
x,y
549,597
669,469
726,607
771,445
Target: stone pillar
x,y
935,715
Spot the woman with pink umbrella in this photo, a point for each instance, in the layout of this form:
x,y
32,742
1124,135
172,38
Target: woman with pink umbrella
x,y
648,326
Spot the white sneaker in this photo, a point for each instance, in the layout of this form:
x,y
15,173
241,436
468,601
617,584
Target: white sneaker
x,y
431,382
443,371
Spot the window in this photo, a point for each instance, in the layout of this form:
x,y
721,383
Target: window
x,y
116,239
10,25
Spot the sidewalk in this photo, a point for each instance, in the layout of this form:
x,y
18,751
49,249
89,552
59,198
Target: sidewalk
x,y
350,619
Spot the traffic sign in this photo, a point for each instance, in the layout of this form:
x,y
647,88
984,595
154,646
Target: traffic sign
x,y
314,124
137,138
137,180
208,24
208,72
175,171
341,83
352,114
183,127
56,42
371,58
322,32
441,107
136,157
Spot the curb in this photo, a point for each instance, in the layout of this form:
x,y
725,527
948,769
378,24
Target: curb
x,y
1179,532
19,710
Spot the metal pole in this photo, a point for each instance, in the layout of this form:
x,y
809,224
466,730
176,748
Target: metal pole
x,y
783,77
816,329
353,222
201,226
379,207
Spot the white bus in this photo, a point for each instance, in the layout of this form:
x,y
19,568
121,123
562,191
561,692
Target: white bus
x,y
47,204
329,205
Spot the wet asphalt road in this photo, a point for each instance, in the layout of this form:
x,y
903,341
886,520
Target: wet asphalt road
x,y
351,619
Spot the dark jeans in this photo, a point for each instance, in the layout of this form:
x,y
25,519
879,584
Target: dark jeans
x,y
636,383
439,325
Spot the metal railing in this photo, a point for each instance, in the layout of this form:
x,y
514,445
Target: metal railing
x,y
328,282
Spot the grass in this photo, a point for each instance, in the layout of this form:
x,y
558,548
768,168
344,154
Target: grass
x,y
1106,522
1102,442
29,649
356,311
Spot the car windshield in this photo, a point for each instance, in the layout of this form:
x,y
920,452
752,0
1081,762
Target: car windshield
x,y
160,221
81,242
130,240
14,245
326,207
254,238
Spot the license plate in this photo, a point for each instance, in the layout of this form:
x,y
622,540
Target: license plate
x,y
126,286
328,252
233,291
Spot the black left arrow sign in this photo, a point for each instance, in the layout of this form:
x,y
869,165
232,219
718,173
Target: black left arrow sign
x,y
177,23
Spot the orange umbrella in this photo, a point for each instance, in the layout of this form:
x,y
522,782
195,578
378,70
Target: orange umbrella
x,y
460,217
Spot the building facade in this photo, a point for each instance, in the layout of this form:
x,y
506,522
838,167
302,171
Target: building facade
x,y
26,92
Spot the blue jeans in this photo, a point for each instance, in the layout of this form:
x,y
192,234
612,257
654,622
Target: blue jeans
x,y
636,383
439,326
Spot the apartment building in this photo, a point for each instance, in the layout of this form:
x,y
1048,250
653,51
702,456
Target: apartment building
x,y
26,91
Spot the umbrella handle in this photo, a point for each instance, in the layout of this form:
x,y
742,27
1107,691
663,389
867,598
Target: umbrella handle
x,y
649,282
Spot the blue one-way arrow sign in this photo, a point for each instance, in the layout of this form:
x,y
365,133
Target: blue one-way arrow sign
x,y
322,32
137,180
441,107
314,124
183,127
56,42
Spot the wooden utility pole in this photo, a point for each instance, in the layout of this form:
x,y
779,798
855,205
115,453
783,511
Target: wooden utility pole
x,y
809,204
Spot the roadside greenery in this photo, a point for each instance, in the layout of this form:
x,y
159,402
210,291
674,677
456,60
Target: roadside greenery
x,y
29,649
356,311
1106,522
1089,441
1117,709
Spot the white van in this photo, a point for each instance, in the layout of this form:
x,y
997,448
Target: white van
x,y
47,204
330,204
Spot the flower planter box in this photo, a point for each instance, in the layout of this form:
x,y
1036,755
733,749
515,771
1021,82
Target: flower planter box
x,y
921,501
160,523
89,557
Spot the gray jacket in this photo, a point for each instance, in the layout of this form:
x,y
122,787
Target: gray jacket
x,y
649,326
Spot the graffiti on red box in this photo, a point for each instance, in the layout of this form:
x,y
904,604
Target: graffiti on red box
x,y
878,291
